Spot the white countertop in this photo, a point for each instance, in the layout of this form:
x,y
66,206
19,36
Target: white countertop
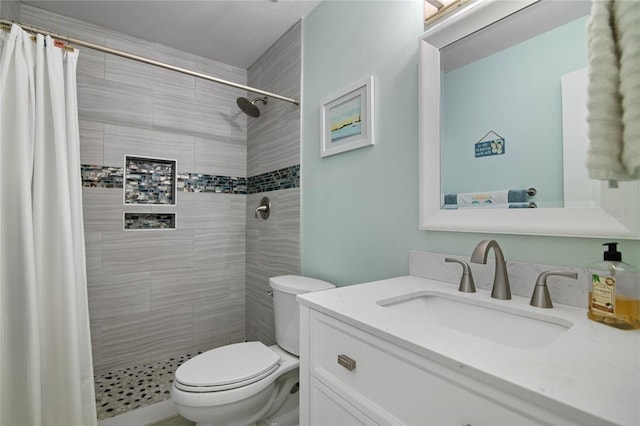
x,y
591,368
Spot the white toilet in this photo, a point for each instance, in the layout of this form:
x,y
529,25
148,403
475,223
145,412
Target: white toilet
x,y
249,383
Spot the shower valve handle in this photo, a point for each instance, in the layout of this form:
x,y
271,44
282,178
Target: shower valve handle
x,y
260,209
264,208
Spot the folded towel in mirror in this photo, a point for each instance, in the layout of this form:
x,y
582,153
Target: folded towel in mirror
x,y
486,198
490,206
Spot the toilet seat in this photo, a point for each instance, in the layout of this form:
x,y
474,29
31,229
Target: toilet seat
x,y
227,367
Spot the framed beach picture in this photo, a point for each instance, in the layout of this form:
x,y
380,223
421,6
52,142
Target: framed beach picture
x,y
347,119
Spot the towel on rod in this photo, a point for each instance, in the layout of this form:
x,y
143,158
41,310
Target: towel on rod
x,y
614,90
491,197
490,206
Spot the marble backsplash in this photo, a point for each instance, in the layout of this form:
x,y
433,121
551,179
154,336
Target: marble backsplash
x,y
522,276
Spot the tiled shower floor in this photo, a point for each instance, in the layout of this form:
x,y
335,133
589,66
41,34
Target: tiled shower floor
x,y
126,389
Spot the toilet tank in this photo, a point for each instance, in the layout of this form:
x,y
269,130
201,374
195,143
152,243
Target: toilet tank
x,y
287,318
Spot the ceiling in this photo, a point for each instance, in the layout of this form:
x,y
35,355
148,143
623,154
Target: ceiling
x,y
235,32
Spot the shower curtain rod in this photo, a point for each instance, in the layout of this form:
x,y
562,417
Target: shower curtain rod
x,y
142,59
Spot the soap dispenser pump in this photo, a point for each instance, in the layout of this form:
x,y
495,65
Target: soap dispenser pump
x,y
614,291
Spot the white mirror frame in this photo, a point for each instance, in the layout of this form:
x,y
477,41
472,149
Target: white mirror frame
x,y
621,219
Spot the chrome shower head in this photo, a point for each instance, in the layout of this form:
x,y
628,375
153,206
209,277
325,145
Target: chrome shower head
x,y
249,107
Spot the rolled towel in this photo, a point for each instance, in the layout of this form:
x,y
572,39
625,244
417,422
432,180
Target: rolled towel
x,y
628,14
490,206
614,90
518,195
450,199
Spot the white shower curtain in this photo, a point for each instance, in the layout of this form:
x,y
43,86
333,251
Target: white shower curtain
x,y
46,375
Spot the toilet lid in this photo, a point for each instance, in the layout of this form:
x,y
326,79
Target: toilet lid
x,y
228,365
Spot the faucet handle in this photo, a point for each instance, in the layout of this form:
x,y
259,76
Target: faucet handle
x,y
466,281
540,297
264,208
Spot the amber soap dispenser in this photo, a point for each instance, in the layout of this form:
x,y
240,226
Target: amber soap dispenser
x,y
614,291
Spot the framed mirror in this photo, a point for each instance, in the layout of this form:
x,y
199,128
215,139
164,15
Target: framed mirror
x,y
468,60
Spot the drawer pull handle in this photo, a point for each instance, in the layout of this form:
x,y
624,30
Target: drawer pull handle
x,y
346,362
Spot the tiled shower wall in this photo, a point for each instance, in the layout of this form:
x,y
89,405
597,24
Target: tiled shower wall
x,y
155,294
9,10
273,143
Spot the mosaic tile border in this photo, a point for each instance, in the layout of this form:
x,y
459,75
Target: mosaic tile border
x,y
289,177
194,182
94,176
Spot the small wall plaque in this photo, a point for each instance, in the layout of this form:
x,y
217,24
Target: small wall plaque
x,y
493,146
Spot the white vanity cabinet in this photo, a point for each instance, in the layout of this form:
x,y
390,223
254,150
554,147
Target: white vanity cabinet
x,y
367,357
393,386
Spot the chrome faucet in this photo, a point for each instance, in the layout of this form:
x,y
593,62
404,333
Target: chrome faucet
x,y
501,288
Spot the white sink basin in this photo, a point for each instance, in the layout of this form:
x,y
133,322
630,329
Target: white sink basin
x,y
497,322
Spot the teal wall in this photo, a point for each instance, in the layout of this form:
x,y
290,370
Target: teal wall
x,y
517,93
359,214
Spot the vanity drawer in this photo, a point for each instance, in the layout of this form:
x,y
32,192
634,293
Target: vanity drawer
x,y
393,386
327,408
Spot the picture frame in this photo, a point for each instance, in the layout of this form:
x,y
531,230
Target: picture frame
x,y
347,119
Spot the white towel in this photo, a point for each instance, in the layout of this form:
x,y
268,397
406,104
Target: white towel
x,y
614,90
483,198
485,206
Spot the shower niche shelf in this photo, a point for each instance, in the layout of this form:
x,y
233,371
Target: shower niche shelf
x,y
149,181
149,221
